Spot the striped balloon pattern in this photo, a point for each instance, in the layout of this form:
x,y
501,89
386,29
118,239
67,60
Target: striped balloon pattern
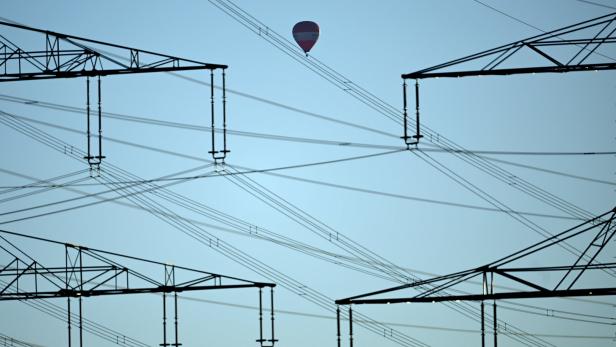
x,y
306,34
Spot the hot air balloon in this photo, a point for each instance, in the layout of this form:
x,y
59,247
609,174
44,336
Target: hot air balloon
x,y
306,34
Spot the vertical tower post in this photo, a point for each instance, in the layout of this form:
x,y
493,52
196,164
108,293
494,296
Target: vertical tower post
x,y
100,125
273,340
175,308
88,134
483,327
94,160
338,324
80,298
405,137
68,319
164,320
175,299
350,326
224,114
213,151
260,340
418,130
494,312
483,331
68,298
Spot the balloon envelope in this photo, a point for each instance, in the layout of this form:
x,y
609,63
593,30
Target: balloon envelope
x,y
306,34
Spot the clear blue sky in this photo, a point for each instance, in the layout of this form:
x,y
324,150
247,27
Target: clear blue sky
x,y
371,43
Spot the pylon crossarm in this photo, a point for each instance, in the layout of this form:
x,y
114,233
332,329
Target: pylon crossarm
x,y
68,56
493,61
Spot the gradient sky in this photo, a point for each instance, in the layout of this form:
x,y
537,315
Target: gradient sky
x,y
371,43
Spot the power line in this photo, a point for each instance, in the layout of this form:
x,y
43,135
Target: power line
x,y
259,233
7,340
553,172
89,326
285,241
374,102
264,171
203,236
597,4
53,179
208,175
404,325
324,231
561,314
509,16
539,29
333,185
178,125
217,239
494,202
215,243
50,204
485,166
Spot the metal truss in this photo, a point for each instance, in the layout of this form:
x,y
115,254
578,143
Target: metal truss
x,y
89,272
69,56
581,42
435,289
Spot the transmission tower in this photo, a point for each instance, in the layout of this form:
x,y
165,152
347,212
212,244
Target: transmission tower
x,y
584,40
56,55
86,272
567,275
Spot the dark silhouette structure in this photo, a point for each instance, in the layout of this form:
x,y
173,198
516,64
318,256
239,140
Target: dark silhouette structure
x,y
435,289
60,55
88,272
584,39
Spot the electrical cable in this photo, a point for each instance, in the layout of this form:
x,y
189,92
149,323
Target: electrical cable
x,y
323,230
215,243
496,203
178,125
429,132
330,234
553,172
597,4
487,167
258,232
56,178
61,146
64,146
72,208
403,325
270,172
524,186
539,29
202,236
290,50
554,315
89,326
7,340
42,189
